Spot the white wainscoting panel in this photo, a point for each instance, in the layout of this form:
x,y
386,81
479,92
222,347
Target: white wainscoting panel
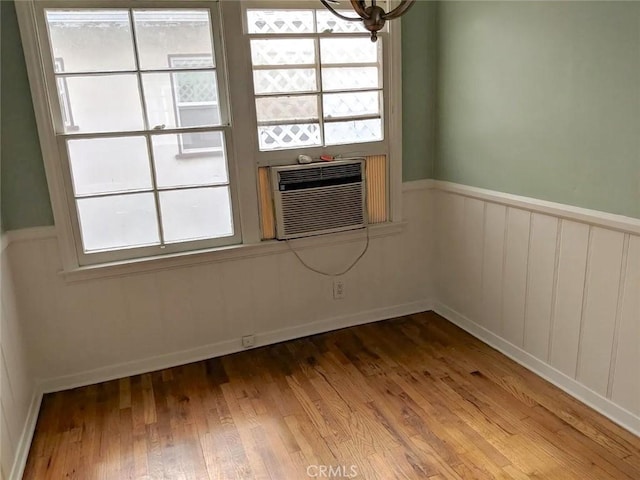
x,y
18,403
87,331
540,284
625,365
516,257
493,267
555,289
569,298
604,271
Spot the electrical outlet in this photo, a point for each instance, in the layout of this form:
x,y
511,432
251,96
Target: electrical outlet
x,y
248,341
338,289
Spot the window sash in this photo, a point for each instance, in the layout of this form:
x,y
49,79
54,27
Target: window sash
x,y
61,136
364,147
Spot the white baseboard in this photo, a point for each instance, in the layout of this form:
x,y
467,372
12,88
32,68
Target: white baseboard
x,y
227,347
22,450
603,405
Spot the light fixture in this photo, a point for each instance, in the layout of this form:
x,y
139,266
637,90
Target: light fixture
x,y
372,16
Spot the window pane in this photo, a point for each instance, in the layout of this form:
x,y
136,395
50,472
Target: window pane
x,y
104,103
355,131
189,159
119,221
284,81
349,50
181,99
109,165
196,214
90,40
163,34
351,104
298,51
329,23
350,78
274,137
280,21
270,109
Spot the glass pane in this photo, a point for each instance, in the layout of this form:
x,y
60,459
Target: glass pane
x,y
109,165
284,81
329,23
295,51
355,131
119,221
280,21
351,104
90,40
349,50
189,159
270,109
164,34
181,99
350,78
103,103
274,137
196,214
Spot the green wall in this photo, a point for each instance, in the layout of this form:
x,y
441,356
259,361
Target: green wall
x,y
419,54
542,99
25,197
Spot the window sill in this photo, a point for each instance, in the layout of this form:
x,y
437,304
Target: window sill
x,y
222,254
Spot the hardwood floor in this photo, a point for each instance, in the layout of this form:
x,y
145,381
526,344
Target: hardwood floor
x,y
414,397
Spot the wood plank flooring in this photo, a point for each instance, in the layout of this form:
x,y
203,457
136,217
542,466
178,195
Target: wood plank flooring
x,y
410,398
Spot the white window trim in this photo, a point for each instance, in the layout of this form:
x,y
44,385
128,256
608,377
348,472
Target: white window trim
x,y
242,139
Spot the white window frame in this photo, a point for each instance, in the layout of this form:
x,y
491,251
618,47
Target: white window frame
x,y
242,139
57,134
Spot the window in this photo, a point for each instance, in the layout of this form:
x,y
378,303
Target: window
x,y
142,85
158,124
317,79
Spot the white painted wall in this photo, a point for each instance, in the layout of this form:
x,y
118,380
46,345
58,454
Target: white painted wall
x,y
87,331
554,288
16,385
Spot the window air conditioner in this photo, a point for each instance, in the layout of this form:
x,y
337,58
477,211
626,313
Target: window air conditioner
x,y
319,198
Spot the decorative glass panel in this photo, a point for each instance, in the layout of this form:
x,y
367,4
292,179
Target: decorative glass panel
x,y
354,131
284,81
337,105
104,103
163,34
119,221
295,51
349,50
329,23
91,40
109,165
274,137
181,99
176,168
196,214
280,21
350,78
270,109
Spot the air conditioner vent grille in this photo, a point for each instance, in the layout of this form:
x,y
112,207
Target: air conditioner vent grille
x,y
316,199
324,208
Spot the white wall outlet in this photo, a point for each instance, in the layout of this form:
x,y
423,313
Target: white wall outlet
x,y
248,341
338,289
